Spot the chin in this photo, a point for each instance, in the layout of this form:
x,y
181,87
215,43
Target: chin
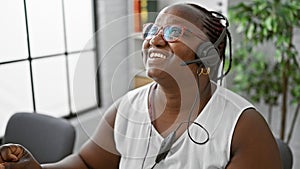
x,y
154,73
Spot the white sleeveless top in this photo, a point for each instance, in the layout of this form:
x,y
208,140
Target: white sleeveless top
x,y
138,141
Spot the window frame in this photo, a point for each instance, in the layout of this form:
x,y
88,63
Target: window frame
x,y
65,54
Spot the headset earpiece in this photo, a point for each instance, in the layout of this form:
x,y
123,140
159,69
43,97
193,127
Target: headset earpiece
x,y
208,54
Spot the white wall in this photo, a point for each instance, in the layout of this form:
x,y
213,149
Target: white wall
x,y
113,63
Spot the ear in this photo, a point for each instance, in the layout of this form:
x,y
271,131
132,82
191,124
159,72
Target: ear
x,y
208,54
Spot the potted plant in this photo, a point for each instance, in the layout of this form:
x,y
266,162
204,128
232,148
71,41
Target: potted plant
x,y
270,78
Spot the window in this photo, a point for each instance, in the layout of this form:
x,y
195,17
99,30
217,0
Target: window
x,y
48,58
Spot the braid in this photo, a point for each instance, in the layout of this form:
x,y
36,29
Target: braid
x,y
212,27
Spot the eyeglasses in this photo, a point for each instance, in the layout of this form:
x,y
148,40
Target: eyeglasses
x,y
171,33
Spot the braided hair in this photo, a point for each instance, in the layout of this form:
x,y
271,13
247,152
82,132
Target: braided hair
x,y
212,26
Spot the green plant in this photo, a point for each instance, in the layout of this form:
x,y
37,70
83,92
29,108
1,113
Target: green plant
x,y
273,79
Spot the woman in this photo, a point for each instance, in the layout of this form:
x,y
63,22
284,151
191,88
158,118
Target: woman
x,y
181,120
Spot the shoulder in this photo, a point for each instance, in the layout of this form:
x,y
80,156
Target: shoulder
x,y
140,93
233,97
135,96
251,123
140,90
253,144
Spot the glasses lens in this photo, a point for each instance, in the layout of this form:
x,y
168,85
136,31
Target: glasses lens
x,y
149,31
172,33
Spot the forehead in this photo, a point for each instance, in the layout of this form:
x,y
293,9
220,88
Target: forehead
x,y
181,14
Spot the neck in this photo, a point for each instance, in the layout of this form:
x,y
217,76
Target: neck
x,y
174,99
170,106
169,98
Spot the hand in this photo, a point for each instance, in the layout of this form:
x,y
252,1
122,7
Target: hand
x,y
15,156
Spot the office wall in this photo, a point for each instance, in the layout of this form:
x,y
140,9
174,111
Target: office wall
x,y
113,64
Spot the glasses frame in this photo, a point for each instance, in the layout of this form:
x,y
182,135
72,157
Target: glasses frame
x,y
163,35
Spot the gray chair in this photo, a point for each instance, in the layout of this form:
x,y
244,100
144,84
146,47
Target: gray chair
x,y
49,139
285,154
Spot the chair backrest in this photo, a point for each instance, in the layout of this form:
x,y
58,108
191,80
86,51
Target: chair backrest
x,y
285,154
49,139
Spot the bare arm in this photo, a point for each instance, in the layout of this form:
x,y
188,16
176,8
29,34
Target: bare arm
x,y
70,162
253,145
98,152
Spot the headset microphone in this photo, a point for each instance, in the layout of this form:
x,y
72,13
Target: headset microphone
x,y
190,62
209,61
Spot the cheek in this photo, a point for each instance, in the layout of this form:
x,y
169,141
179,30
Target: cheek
x,y
145,44
190,46
183,52
145,47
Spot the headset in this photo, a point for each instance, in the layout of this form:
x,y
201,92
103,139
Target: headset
x,y
208,53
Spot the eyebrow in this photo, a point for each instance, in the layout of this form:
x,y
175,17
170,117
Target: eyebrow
x,y
201,36
198,32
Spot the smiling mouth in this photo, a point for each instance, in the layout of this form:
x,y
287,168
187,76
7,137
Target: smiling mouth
x,y
157,55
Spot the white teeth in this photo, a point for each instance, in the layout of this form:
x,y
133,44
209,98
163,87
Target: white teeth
x,y
157,55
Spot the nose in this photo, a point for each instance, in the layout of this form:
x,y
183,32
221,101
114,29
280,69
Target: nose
x,y
158,39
